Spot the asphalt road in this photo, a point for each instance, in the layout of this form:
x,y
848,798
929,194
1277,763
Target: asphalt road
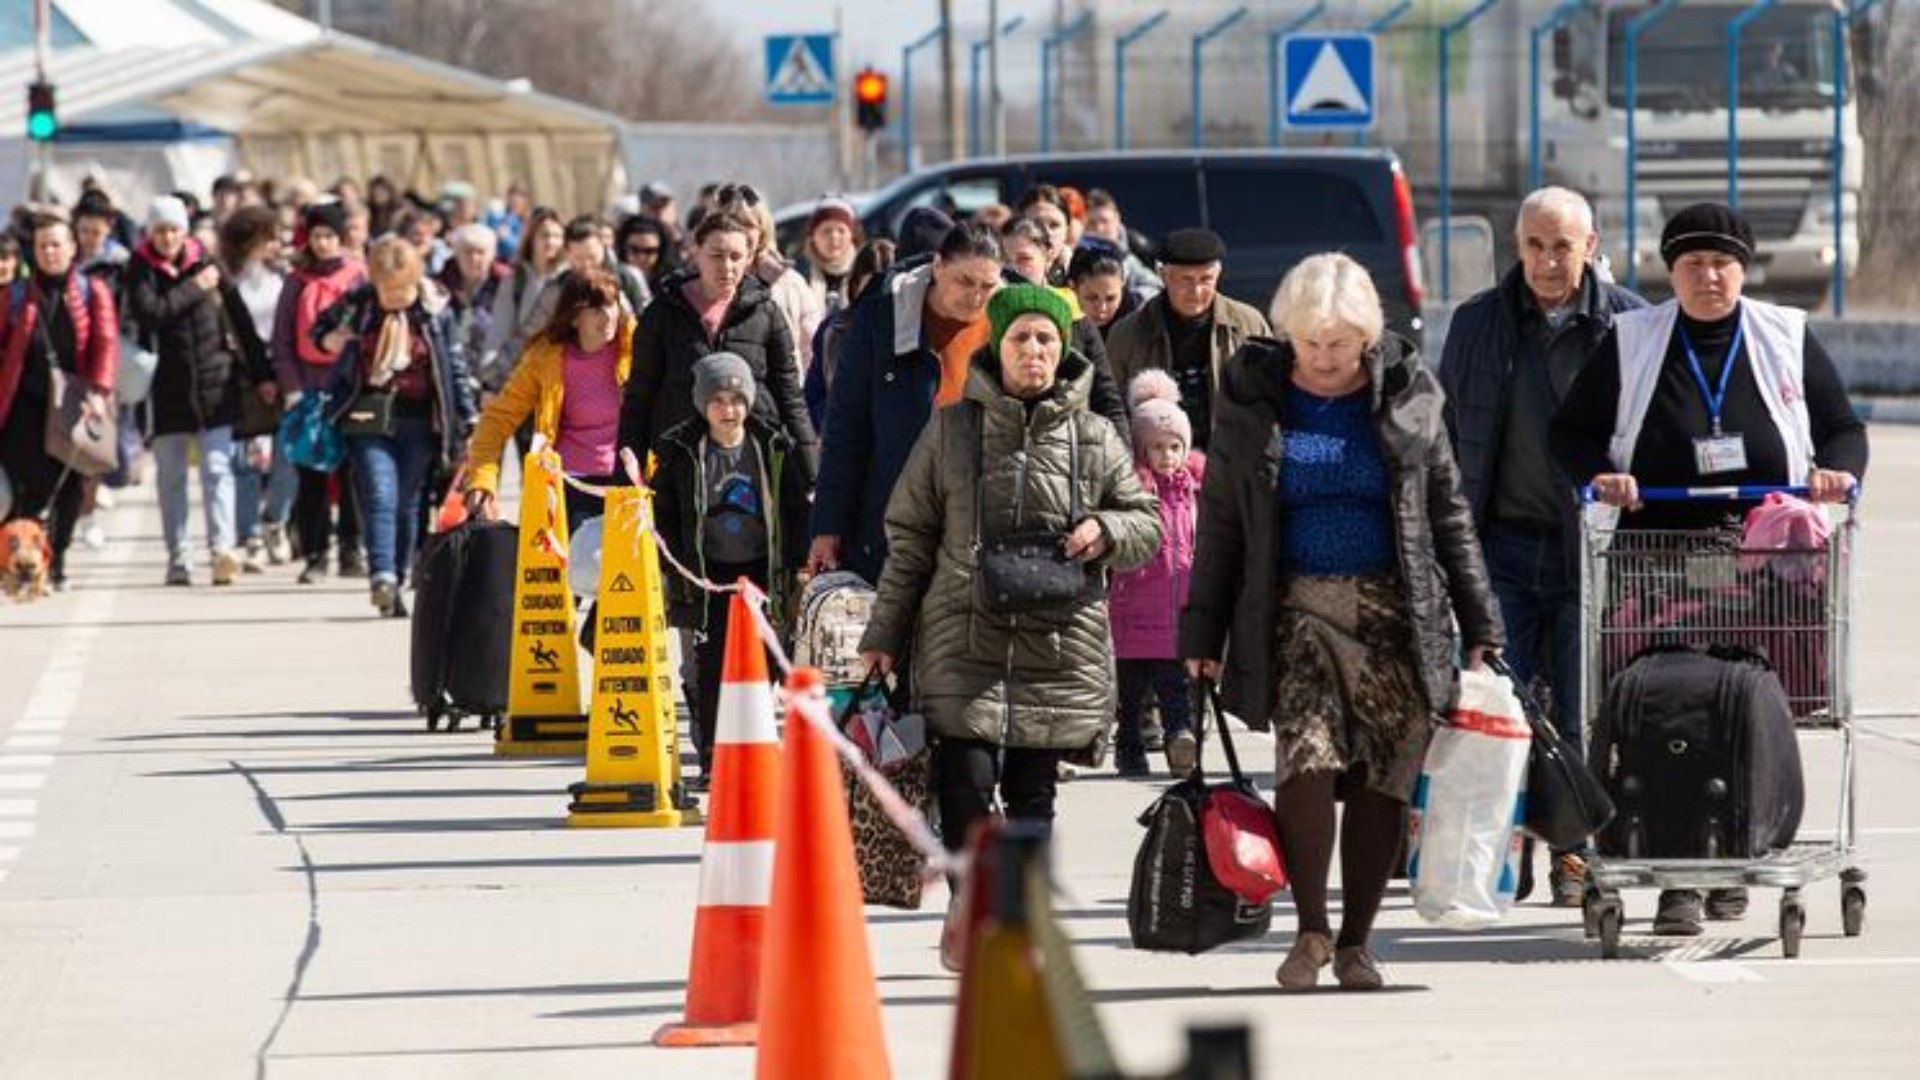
x,y
228,848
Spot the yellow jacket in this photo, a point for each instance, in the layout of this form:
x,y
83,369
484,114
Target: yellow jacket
x,y
537,389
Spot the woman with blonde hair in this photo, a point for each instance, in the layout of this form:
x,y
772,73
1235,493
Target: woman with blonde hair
x,y
1334,556
405,403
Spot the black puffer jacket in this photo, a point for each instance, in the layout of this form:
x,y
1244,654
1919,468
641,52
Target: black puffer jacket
x,y
196,335
671,339
1235,588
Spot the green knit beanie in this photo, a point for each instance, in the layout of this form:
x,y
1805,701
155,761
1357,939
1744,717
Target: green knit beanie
x,y
1014,301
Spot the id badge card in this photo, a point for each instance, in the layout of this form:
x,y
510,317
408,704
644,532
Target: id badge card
x,y
1716,454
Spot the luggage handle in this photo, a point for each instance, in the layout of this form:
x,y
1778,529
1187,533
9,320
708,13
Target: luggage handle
x,y
1210,694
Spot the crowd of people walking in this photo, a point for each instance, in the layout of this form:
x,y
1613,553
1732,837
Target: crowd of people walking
x,y
1292,503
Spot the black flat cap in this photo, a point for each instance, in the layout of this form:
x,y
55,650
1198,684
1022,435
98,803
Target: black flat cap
x,y
1192,247
1707,226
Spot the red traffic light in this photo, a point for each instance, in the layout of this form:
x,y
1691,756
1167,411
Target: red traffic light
x,y
870,87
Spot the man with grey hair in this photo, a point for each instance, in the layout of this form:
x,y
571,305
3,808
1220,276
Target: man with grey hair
x,y
1511,355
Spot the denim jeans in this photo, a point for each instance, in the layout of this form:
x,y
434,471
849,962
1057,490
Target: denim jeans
x,y
1539,593
248,491
217,450
1163,680
389,472
283,484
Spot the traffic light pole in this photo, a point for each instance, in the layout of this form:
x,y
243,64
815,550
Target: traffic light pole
x,y
42,60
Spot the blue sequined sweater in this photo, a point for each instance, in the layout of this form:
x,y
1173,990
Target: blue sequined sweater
x,y
1334,509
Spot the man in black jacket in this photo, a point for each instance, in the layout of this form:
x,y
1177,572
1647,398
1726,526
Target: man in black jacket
x,y
1511,355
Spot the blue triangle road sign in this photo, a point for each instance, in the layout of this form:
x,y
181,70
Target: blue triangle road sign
x,y
1329,81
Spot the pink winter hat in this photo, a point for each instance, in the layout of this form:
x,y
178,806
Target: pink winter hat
x,y
1154,399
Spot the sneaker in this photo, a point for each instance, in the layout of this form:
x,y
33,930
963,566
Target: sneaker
x,y
92,535
399,606
1183,752
1357,969
1568,880
179,576
1063,772
1312,950
226,567
1724,905
255,559
1132,763
104,498
274,539
1679,913
353,563
1154,738
385,594
315,572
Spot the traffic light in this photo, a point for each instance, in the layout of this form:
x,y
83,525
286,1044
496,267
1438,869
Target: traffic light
x,y
42,123
870,99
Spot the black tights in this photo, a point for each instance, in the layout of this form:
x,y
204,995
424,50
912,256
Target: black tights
x,y
1369,843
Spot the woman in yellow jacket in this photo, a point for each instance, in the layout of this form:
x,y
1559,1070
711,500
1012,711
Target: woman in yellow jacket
x,y
569,380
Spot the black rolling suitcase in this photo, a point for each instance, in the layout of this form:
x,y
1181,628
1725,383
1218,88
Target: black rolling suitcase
x,y
1697,749
463,623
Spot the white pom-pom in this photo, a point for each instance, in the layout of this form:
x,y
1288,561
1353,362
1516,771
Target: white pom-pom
x,y
1152,384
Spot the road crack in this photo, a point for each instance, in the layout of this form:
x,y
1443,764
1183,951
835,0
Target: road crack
x,y
270,810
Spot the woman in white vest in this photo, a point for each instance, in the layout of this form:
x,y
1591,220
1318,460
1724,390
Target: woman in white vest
x,y
1707,389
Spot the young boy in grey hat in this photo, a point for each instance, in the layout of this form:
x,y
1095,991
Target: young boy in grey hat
x,y
730,499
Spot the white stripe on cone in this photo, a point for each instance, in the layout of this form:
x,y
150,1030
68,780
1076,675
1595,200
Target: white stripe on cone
x,y
746,714
737,874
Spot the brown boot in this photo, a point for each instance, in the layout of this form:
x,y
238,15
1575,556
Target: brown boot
x,y
1357,969
1312,950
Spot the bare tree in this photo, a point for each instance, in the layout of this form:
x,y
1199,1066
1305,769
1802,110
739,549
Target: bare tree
x,y
642,60
1888,78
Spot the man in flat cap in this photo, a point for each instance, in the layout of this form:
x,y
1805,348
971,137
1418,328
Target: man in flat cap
x,y
1710,389
1188,330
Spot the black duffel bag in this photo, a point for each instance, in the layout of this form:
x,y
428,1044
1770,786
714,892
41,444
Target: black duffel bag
x,y
1176,904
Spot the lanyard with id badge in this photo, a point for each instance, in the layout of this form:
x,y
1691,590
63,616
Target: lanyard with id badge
x,y
1719,451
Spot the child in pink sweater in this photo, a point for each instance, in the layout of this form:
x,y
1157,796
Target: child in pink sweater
x,y
1145,603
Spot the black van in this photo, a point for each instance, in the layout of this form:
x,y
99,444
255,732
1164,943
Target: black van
x,y
1273,207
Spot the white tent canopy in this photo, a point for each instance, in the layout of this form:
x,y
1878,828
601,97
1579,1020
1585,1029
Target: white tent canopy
x,y
299,100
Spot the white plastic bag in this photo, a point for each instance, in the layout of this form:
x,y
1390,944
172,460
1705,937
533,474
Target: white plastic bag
x,y
1464,830
583,560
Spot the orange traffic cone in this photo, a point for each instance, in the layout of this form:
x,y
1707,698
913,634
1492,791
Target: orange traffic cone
x,y
819,1006
736,868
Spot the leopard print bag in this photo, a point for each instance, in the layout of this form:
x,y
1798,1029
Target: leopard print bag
x,y
890,866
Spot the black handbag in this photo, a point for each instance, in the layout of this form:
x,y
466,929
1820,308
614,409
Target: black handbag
x,y
1028,569
1566,802
1176,904
369,416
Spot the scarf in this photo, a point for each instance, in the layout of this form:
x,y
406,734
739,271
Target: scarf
x,y
392,351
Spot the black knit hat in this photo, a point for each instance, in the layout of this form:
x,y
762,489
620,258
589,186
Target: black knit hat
x,y
1192,247
331,215
922,232
1707,227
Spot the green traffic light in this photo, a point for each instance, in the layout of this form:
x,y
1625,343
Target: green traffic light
x,y
42,126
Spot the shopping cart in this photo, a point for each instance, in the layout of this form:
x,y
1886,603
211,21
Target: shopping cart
x,y
1641,588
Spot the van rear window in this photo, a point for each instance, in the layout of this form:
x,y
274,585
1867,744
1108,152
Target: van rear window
x,y
1269,207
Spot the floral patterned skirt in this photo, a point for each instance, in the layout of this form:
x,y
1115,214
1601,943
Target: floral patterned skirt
x,y
1349,698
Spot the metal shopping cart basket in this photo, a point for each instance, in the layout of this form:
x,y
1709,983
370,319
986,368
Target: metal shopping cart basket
x,y
1641,588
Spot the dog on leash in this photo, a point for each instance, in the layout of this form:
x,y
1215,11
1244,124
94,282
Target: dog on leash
x,y
27,570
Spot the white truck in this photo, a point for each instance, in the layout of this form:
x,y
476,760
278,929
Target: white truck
x,y
1786,131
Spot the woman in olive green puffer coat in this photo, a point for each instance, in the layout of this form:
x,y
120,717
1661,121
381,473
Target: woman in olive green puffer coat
x,y
1008,694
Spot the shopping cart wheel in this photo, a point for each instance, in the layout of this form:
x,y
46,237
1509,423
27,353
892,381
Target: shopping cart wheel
x,y
1853,909
1793,920
1609,919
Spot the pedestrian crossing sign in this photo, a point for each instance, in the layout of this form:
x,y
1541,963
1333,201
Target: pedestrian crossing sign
x,y
1329,82
800,69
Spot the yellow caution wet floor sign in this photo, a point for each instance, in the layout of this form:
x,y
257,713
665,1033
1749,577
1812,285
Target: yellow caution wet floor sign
x,y
633,739
543,689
